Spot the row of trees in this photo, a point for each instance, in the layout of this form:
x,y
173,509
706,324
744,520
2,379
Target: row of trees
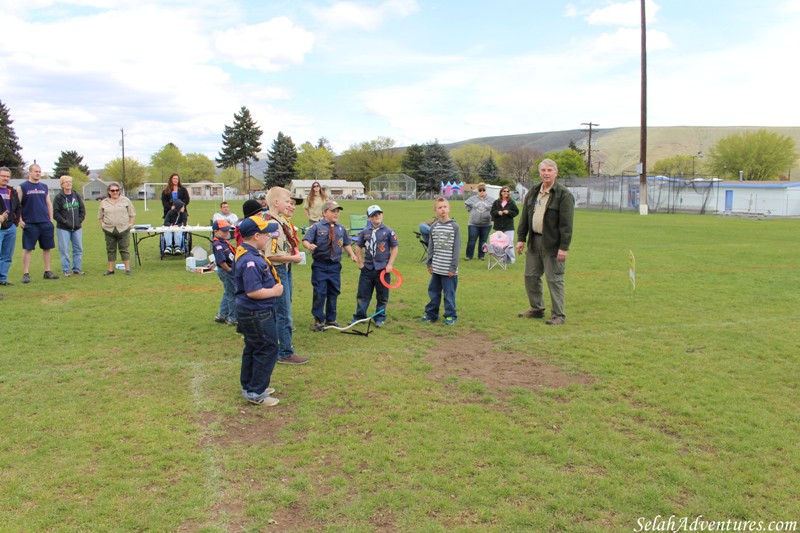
x,y
760,155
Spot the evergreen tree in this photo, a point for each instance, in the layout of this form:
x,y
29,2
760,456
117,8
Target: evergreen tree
x,y
489,171
412,160
9,144
280,162
241,142
67,160
437,166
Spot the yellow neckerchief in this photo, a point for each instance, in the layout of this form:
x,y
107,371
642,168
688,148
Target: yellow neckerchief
x,y
241,250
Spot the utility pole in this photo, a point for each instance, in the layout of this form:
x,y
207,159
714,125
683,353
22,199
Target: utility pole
x,y
122,143
589,163
643,127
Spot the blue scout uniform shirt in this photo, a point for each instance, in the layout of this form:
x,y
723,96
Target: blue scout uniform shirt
x,y
319,234
377,244
252,272
224,252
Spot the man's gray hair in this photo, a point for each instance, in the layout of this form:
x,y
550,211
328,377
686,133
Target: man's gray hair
x,y
548,162
5,169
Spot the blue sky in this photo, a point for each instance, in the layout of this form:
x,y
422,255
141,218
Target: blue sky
x,y
74,72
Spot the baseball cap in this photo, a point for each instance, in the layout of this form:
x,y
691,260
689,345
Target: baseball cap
x,y
297,200
330,205
371,210
252,225
252,207
221,224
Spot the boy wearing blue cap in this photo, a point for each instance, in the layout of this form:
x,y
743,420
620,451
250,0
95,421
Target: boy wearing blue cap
x,y
224,254
376,249
257,287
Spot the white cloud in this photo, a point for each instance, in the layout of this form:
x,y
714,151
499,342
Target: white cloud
x,y
268,46
623,14
627,41
570,11
355,15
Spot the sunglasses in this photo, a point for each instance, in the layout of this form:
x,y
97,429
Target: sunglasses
x,y
113,190
481,190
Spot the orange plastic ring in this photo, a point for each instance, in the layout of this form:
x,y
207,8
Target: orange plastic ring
x,y
399,279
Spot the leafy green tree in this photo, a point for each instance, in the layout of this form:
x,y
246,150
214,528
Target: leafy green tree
x,y
241,143
762,155
166,162
314,162
9,144
469,158
489,171
198,167
67,160
369,159
281,159
437,166
79,178
570,163
129,177
677,165
519,163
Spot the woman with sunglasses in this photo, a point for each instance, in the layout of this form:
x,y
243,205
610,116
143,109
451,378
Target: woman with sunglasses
x,y
313,206
480,221
503,212
116,216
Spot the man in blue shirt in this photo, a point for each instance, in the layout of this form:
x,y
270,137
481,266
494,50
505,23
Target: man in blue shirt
x,y
36,221
378,244
326,240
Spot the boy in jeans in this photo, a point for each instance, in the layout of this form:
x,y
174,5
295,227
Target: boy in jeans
x,y
257,287
224,255
326,240
376,249
443,249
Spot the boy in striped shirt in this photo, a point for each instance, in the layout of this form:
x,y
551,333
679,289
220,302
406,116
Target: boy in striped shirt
x,y
444,245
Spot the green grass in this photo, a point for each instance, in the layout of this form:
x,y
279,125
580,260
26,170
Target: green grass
x,y
121,410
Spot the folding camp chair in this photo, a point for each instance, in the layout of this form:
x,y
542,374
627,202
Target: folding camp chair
x,y
422,236
357,223
498,250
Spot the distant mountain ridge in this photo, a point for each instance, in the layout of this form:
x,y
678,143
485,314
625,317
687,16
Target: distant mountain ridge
x,y
617,149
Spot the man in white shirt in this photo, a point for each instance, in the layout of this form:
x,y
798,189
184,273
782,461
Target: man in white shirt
x,y
225,214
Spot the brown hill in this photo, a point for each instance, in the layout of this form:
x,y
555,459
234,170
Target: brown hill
x,y
617,149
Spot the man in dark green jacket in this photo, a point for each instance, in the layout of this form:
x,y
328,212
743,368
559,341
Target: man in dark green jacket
x,y
545,222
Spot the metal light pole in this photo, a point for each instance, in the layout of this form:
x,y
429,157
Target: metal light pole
x,y
589,162
643,127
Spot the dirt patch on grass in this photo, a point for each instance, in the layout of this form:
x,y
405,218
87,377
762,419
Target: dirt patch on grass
x,y
473,356
252,424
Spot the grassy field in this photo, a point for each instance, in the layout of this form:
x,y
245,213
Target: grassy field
x,y
120,403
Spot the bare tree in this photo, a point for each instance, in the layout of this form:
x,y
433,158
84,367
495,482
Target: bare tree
x,y
520,162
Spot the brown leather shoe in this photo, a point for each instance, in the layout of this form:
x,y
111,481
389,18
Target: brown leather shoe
x,y
555,321
532,313
294,359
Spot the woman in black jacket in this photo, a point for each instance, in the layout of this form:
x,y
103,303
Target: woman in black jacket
x,y
69,212
175,191
503,212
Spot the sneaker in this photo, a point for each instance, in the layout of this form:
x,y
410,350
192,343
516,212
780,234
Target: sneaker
x,y
449,321
294,359
66,273
555,321
269,391
231,322
379,324
108,273
532,313
6,283
262,399
26,278
317,326
128,272
426,319
78,272
49,275
168,250
332,323
219,320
